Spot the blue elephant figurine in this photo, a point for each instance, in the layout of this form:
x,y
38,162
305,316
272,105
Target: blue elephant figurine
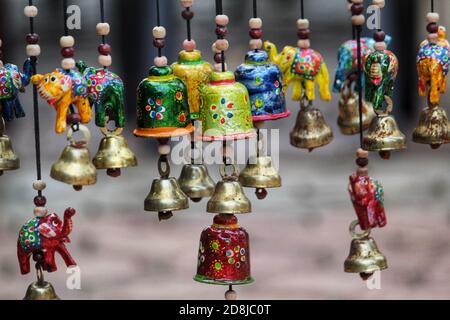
x,y
12,81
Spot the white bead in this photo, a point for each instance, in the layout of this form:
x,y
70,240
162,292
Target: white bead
x,y
68,63
222,44
103,28
33,50
380,46
303,44
222,20
358,20
302,24
218,67
214,48
255,44
187,3
164,149
39,185
189,45
255,23
159,32
66,41
230,295
433,37
40,212
160,61
432,17
357,1
105,61
30,11
379,3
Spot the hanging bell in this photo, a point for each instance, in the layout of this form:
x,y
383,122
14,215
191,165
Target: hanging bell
x,y
311,130
114,153
8,159
194,71
74,166
195,182
433,127
162,106
348,119
223,255
263,81
41,290
260,174
225,109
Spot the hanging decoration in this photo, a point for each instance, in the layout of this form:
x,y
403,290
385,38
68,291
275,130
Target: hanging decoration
x,y
433,63
45,234
365,193
303,67
263,81
163,112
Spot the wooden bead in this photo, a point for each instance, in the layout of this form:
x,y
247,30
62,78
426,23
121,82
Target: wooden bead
x,y
40,212
164,149
357,9
303,34
160,61
218,67
104,49
189,45
255,23
159,43
66,41
255,44
379,3
103,28
432,17
362,162
230,295
222,20
68,63
357,1
304,44
68,52
380,46
302,24
255,33
73,118
105,61
39,185
33,50
358,20
187,3
432,37
32,38
361,153
214,48
159,32
222,44
379,36
433,27
218,58
221,31
39,201
30,11
187,14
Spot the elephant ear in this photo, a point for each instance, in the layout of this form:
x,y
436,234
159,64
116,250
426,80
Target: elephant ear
x,y
46,230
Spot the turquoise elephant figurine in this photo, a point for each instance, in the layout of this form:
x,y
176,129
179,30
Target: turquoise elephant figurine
x,y
12,81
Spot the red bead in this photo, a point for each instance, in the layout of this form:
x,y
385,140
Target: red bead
x,y
73,118
379,36
357,9
221,31
256,33
32,38
104,49
68,52
159,43
303,34
225,219
433,27
218,58
187,14
39,201
114,173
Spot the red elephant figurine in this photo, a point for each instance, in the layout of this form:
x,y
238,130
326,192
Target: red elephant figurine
x,y
45,236
368,200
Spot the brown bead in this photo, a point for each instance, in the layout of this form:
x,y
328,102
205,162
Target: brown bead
x,y
104,49
114,173
357,8
379,36
433,27
187,14
32,38
362,162
221,31
159,43
68,52
218,58
256,33
303,34
73,118
39,201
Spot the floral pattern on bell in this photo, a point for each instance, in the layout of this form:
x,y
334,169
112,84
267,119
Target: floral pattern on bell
x,y
223,255
162,105
225,110
194,71
263,81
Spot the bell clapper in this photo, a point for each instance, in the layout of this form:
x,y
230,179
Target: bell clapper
x,y
165,215
261,193
230,294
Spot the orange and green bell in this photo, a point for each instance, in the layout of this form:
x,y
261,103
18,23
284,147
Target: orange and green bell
x,y
162,105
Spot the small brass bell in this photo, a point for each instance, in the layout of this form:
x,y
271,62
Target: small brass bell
x,y
74,166
165,196
229,197
433,127
260,174
348,119
40,290
364,258
310,131
195,182
8,159
114,153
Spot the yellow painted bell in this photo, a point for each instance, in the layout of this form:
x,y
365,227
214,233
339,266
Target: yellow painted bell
x,y
433,127
195,182
260,174
74,166
114,153
40,290
348,119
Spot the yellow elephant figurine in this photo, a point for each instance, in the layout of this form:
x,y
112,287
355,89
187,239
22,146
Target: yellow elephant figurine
x,y
302,67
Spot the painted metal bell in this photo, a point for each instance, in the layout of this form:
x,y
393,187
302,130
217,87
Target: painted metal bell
x,y
225,110
8,158
348,119
114,153
433,127
194,71
41,290
162,106
164,197
260,174
195,182
224,255
263,81
74,166
311,130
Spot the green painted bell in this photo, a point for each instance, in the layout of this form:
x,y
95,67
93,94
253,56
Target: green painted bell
x,y
225,109
162,106
194,71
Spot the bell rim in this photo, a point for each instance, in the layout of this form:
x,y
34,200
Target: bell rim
x,y
274,116
9,164
207,280
45,285
163,132
362,269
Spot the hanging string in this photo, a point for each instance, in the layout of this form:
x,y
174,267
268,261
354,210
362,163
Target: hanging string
x,y
360,84
158,22
432,5
302,9
219,10
255,9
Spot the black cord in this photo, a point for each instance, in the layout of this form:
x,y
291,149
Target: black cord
x,y
302,9
432,5
188,26
158,22
255,9
102,17
360,84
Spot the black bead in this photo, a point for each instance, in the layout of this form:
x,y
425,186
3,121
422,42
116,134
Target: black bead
x,y
218,58
39,201
187,14
379,36
432,27
362,162
32,38
159,43
357,9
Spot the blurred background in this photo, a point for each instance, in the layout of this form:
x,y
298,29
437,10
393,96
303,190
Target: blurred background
x,y
299,236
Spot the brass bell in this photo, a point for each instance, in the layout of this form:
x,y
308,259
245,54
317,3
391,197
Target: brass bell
x,y
229,197
114,153
260,174
348,119
364,258
40,290
165,196
195,182
8,159
310,131
433,127
74,166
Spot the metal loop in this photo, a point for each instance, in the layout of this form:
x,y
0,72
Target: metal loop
x,y
39,275
86,135
223,173
106,132
356,235
389,107
163,172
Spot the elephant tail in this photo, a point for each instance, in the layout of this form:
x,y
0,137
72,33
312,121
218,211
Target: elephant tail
x,y
323,80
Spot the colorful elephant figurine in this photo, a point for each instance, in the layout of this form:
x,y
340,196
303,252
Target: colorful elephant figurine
x,y
368,200
61,89
302,67
380,68
12,81
45,236
106,94
433,63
